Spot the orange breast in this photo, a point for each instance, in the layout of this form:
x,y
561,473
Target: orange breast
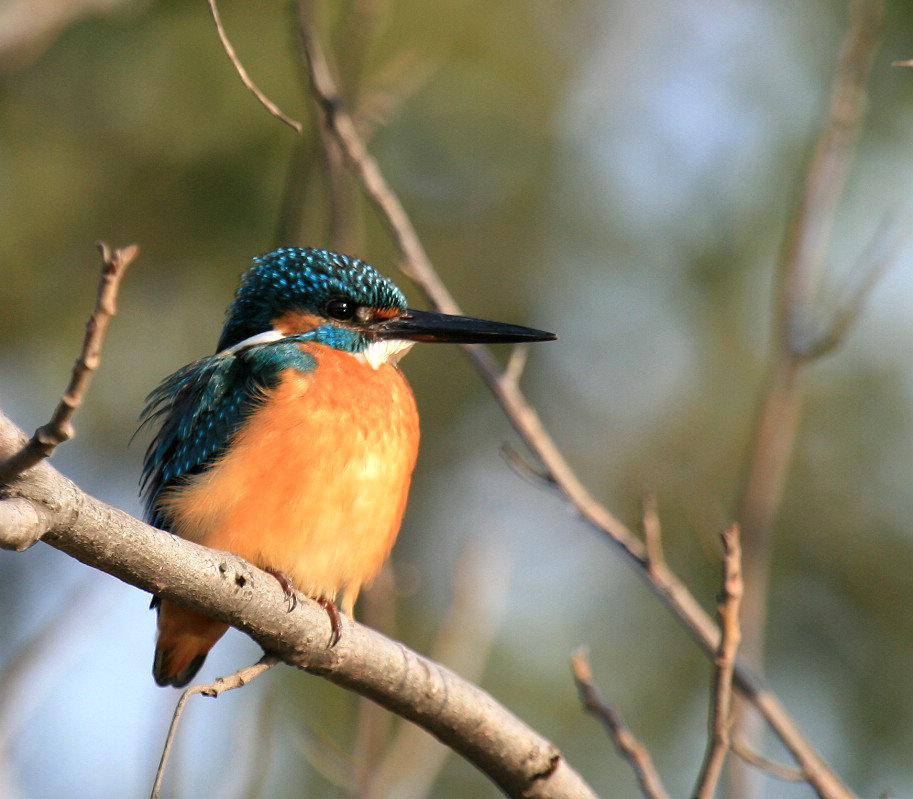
x,y
315,483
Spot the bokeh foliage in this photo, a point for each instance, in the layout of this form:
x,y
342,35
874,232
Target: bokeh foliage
x,y
617,171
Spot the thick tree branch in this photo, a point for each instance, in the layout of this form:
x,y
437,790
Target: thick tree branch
x,y
227,588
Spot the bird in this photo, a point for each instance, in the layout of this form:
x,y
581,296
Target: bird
x,y
293,445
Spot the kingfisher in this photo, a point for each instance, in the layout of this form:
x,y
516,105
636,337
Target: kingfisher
x,y
293,445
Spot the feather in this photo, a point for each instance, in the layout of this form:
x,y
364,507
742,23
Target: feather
x,y
201,407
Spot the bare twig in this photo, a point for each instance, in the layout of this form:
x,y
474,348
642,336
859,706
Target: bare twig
x,y
22,522
341,125
801,261
373,105
721,695
60,427
628,746
876,259
532,474
516,364
808,233
416,264
652,532
778,770
237,680
268,104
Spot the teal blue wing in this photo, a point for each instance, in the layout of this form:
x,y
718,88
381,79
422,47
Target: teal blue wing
x,y
199,409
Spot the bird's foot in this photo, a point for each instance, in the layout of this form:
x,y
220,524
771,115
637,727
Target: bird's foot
x,y
335,622
288,588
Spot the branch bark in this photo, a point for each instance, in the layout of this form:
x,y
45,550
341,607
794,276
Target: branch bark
x,y
221,585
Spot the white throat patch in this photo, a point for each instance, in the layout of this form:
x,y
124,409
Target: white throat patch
x,y
384,351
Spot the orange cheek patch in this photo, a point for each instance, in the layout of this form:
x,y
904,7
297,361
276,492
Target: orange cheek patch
x,y
295,322
386,313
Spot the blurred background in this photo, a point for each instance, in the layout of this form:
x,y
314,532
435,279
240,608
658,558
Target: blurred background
x,y
620,172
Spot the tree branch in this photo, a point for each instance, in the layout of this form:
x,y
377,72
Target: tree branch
x,y
227,588
721,695
628,746
214,689
662,581
246,79
795,338
778,770
60,427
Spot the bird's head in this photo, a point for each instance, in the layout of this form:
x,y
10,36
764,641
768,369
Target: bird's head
x,y
344,303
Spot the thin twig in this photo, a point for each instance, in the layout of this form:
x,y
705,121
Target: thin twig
x,y
516,364
60,427
532,474
268,104
809,229
721,695
628,746
662,581
341,125
652,532
878,256
774,769
237,680
801,262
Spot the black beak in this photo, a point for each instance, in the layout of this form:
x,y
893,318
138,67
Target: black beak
x,y
416,325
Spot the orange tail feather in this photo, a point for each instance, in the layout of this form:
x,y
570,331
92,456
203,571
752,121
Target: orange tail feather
x,y
185,637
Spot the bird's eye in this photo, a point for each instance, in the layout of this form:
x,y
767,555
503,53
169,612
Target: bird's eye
x,y
341,310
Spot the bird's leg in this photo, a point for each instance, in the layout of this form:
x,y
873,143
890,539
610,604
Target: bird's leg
x,y
335,622
327,604
288,588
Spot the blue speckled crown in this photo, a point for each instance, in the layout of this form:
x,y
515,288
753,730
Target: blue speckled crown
x,y
302,278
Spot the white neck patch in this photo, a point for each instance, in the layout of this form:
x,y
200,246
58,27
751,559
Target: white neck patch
x,y
268,337
375,354
384,351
